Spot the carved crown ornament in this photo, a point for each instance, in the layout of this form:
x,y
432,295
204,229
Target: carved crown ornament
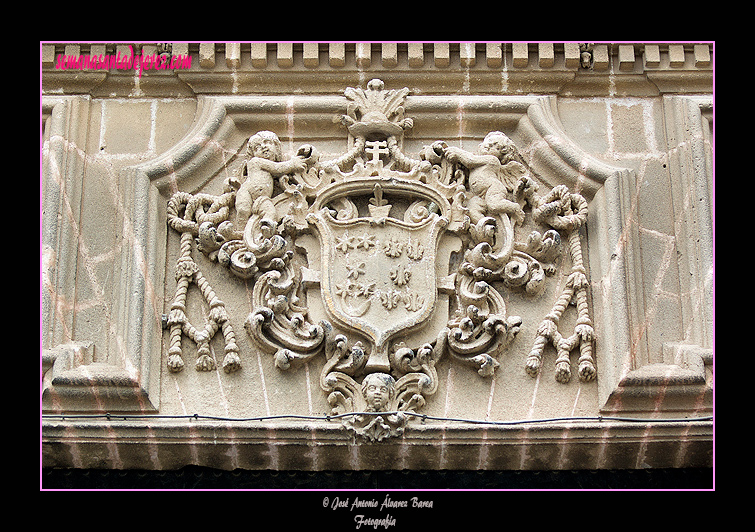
x,y
395,300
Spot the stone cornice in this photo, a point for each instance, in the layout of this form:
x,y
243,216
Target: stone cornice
x,y
164,444
579,69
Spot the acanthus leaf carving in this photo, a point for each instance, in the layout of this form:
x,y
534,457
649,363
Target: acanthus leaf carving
x,y
379,217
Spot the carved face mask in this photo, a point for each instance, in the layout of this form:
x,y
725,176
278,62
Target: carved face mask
x,y
377,396
377,392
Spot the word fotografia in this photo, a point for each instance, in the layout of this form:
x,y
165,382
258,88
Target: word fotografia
x,y
385,522
140,62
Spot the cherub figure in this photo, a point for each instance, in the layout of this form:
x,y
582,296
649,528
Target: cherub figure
x,y
265,163
493,173
378,390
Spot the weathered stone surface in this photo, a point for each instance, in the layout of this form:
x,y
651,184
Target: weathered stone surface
x,y
456,256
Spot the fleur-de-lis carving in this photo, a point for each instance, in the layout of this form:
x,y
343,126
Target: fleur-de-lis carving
x,y
413,301
393,247
400,275
415,250
378,200
390,299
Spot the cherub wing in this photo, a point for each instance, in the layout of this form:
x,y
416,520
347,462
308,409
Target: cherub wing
x,y
510,174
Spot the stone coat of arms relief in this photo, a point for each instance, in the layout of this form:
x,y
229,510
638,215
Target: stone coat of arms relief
x,y
413,255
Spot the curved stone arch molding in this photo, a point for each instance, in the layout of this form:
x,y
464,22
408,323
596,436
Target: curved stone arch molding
x,y
531,121
220,131
556,158
223,124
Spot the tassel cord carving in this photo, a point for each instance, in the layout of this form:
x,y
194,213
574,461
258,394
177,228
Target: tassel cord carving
x,y
565,211
187,272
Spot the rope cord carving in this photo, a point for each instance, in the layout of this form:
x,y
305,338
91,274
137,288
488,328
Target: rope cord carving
x,y
188,272
566,211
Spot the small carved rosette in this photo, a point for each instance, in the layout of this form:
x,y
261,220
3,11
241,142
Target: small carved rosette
x,y
392,304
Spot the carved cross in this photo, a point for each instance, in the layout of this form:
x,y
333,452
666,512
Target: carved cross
x,y
376,148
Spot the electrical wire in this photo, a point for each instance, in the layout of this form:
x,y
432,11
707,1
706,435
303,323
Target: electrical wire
x,y
423,417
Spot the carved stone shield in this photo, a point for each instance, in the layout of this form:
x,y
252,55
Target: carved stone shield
x,y
378,266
